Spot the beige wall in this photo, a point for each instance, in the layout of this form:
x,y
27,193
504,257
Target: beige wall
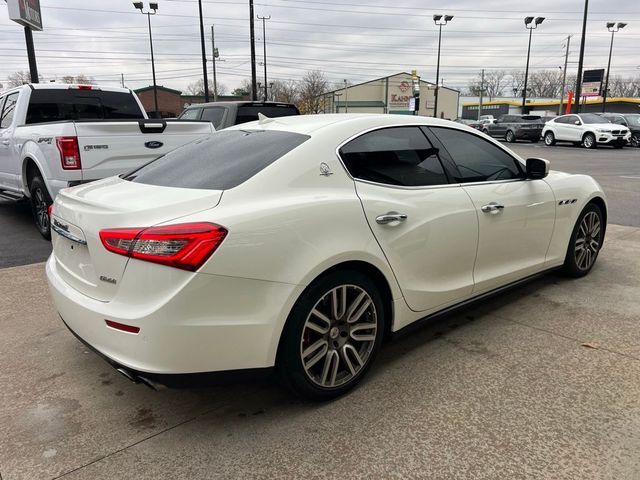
x,y
397,90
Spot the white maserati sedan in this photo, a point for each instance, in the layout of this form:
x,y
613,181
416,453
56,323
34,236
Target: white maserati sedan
x,y
299,243
587,129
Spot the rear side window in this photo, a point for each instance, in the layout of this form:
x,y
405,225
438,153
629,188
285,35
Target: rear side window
x,y
213,115
476,159
221,161
7,112
190,114
394,156
249,113
48,105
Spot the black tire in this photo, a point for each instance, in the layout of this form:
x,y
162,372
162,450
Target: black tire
x,y
589,140
290,365
510,136
549,139
574,264
635,140
40,201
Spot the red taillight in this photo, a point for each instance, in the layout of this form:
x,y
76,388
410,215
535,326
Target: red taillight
x,y
69,152
186,245
122,326
50,210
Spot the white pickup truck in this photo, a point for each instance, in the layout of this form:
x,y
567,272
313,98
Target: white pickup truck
x,y
54,136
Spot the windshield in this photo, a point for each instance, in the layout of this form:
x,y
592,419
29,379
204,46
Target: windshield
x,y
591,118
633,120
221,161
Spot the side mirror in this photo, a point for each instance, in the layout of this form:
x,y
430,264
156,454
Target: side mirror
x,y
577,122
537,168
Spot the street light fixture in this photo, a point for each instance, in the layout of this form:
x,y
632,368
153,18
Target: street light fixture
x,y
439,20
613,27
153,8
530,24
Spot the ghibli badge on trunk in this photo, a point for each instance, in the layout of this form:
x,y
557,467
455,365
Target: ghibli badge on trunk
x,y
153,144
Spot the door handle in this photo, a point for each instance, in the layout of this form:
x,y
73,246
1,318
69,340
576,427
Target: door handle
x,y
390,217
492,208
6,142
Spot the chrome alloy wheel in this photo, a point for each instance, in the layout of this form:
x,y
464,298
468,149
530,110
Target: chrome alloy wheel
x,y
338,336
588,241
41,209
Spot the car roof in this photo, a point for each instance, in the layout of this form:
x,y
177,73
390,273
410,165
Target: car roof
x,y
241,103
307,124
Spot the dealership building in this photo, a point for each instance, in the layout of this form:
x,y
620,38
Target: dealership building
x,y
392,94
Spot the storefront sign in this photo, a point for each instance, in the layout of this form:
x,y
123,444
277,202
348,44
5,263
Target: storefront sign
x,y
25,12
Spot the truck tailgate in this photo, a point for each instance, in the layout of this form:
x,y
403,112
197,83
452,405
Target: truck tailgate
x,y
115,147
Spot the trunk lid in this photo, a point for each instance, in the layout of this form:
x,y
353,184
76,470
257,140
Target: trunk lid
x,y
112,148
79,213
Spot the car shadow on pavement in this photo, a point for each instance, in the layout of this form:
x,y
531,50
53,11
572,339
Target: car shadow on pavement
x,y
20,242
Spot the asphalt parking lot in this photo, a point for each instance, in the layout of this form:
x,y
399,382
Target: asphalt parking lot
x,y
541,382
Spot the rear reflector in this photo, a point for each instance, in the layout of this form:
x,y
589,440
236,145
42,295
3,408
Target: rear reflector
x,y
186,246
69,152
122,326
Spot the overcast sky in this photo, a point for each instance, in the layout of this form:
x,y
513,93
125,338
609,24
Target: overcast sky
x,y
356,39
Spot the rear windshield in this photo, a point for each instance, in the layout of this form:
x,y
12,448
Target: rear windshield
x,y
249,113
72,104
221,161
531,118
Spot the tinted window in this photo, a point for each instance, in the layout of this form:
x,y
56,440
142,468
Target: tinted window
x,y
476,159
633,120
531,118
213,115
48,105
618,120
572,119
394,156
190,114
249,113
8,110
561,120
221,161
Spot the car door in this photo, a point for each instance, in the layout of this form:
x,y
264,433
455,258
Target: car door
x,y
515,215
574,131
499,128
215,115
426,227
8,167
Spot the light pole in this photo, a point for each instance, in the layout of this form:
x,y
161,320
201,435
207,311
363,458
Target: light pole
x,y
254,91
214,55
439,20
152,6
613,28
204,55
530,24
578,92
346,102
264,46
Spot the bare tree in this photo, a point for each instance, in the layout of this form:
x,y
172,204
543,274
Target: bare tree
x,y
244,89
494,84
18,78
624,87
312,86
285,91
197,87
81,79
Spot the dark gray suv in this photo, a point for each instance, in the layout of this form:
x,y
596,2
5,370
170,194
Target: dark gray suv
x,y
516,127
226,114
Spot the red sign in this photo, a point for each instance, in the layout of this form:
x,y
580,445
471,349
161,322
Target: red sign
x,y
404,86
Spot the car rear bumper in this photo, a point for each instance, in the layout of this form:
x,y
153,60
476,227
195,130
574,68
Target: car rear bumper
x,y
211,324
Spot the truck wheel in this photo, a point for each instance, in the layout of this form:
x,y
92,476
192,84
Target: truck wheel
x,y
40,201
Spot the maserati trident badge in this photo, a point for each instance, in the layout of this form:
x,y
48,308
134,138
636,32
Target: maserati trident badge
x,y
325,171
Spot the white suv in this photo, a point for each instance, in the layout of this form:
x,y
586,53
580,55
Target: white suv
x,y
587,129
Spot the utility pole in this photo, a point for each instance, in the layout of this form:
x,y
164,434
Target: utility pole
x,y
578,93
264,46
346,101
214,54
152,6
564,74
204,55
254,90
481,92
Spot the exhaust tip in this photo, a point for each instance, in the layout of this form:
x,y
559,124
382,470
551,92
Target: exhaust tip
x,y
128,375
